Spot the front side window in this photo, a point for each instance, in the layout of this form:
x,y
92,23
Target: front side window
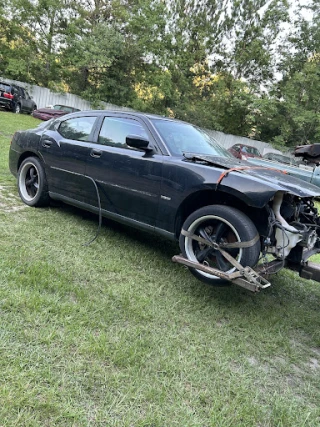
x,y
78,128
27,95
114,131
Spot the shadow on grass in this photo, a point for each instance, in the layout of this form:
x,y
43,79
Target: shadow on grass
x,y
286,286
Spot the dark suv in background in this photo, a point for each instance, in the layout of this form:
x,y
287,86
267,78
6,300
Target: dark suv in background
x,y
15,98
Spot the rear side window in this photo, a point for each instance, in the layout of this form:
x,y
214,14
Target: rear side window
x,y
78,128
114,131
5,88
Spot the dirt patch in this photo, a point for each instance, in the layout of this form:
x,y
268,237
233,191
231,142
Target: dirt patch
x,y
10,135
9,200
316,350
314,363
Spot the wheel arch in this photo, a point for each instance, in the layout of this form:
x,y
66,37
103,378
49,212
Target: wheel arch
x,y
208,197
32,182
219,224
27,154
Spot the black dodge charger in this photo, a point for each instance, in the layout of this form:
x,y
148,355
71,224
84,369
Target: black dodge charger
x,y
172,179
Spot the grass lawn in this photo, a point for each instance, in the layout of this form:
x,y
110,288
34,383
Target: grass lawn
x,y
115,334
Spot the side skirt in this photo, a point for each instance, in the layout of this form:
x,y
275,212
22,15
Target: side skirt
x,y
115,217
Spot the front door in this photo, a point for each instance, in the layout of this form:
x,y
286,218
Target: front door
x,y
128,180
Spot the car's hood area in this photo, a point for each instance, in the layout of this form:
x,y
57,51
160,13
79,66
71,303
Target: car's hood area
x,y
271,176
269,163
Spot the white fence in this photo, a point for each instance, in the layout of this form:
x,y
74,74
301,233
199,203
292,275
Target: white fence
x,y
227,141
44,97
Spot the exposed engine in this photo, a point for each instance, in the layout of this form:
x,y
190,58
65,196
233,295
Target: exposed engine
x,y
292,222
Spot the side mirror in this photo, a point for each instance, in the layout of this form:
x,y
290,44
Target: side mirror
x,y
136,141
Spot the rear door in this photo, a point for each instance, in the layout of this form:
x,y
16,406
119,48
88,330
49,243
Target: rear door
x,y
65,148
129,180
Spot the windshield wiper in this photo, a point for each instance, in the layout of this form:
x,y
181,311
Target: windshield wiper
x,y
208,159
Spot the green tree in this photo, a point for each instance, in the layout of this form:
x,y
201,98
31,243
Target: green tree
x,y
298,109
42,26
296,96
253,28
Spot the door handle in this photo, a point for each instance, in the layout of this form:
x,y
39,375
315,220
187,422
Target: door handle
x,y
95,153
46,143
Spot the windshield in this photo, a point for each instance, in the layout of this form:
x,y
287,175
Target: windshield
x,y
251,150
184,138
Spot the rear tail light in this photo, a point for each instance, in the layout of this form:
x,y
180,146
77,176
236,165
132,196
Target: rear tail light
x,y
8,95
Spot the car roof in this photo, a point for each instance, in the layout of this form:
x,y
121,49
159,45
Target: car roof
x,y
126,113
15,85
247,145
5,83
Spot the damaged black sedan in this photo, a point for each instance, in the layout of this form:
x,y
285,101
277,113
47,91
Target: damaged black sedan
x,y
235,222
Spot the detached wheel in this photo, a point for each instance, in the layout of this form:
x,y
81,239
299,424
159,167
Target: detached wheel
x,y
32,183
219,224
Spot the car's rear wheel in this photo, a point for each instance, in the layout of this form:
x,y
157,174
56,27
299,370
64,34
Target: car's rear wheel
x,y
219,224
32,183
17,108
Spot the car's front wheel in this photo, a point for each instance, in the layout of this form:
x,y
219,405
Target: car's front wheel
x,y
219,225
32,183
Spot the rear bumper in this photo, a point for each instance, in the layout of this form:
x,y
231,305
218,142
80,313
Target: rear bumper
x,y
4,102
13,161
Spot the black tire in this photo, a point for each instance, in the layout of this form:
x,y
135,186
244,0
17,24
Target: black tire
x,y
220,224
17,108
32,183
